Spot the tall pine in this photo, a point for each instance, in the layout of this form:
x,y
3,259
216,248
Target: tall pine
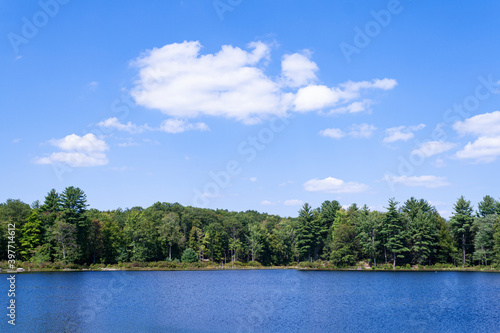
x,y
460,225
393,228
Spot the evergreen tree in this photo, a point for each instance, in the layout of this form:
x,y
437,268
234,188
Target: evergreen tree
x,y
424,237
189,255
307,232
393,228
73,208
460,225
328,211
487,206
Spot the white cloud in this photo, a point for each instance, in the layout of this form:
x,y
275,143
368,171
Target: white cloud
x,y
77,151
334,185
231,83
484,149
74,159
414,181
354,107
88,143
384,84
128,127
430,148
298,70
335,133
16,140
293,202
267,203
401,133
486,126
179,126
439,163
317,97
253,179
363,131
128,143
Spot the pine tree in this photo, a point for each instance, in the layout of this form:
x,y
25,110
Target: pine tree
x,y
307,232
487,206
73,208
394,229
460,225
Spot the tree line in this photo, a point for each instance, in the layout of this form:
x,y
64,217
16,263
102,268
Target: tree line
x,y
64,229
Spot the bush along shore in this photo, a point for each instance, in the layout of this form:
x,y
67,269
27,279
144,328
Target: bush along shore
x,y
63,233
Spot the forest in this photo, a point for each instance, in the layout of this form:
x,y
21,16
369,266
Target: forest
x,y
64,229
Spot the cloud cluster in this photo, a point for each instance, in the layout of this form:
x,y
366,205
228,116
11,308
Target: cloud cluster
x,y
486,128
128,127
334,185
430,148
77,151
179,126
232,83
363,131
172,125
401,133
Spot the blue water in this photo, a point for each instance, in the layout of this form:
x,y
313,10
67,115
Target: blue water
x,y
255,301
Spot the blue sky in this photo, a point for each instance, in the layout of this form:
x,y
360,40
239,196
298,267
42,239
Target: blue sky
x,y
250,104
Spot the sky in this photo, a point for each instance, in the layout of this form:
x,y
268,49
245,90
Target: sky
x,y
261,105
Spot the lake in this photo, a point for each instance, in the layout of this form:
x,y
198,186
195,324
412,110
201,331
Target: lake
x,y
256,301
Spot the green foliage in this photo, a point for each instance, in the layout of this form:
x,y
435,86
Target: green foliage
x,y
345,245
393,228
64,233
308,232
496,242
31,235
368,235
484,241
460,226
189,255
487,206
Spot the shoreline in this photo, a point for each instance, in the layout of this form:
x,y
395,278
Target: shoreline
x,y
350,269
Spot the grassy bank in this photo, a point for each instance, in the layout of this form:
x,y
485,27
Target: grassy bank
x,y
180,266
